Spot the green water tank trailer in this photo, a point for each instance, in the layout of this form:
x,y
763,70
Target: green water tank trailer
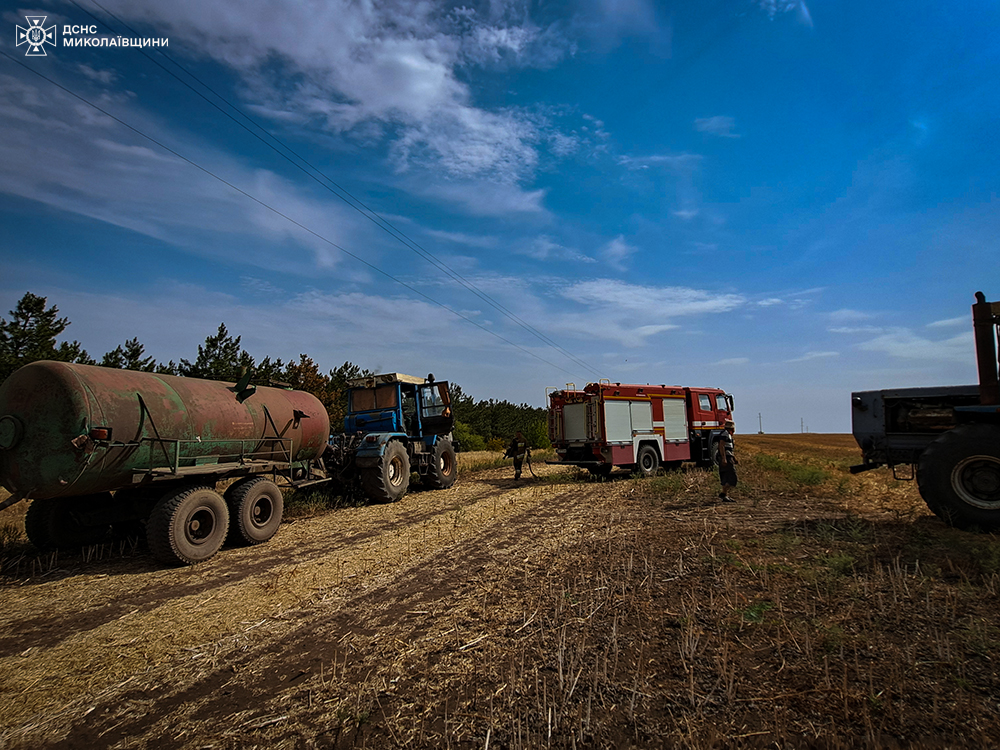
x,y
72,434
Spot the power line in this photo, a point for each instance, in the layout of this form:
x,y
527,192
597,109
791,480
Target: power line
x,y
279,213
341,192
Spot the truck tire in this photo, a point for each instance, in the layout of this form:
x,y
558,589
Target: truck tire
x,y
390,478
443,471
959,477
255,508
601,470
647,462
187,526
49,524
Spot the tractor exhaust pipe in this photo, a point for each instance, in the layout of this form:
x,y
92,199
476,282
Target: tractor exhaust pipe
x,y
985,319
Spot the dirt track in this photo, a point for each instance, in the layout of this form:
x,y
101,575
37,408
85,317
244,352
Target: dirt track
x,y
558,612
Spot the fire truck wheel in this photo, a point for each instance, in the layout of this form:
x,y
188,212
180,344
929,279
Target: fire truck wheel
x,y
443,470
255,508
390,479
187,526
647,462
959,477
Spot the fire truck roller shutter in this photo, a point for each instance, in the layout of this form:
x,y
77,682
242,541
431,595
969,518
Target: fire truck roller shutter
x,y
575,422
618,421
675,427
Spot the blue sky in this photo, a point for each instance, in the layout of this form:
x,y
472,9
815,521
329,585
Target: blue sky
x,y
790,201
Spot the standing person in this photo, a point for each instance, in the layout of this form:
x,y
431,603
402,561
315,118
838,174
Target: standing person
x,y
727,461
517,450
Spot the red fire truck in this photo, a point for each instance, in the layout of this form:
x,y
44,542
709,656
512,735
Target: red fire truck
x,y
636,426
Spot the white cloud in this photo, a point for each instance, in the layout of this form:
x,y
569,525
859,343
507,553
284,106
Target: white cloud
x,y
676,162
719,126
770,302
733,361
903,343
612,307
95,168
685,214
617,252
855,329
951,322
390,69
847,316
472,240
545,248
814,355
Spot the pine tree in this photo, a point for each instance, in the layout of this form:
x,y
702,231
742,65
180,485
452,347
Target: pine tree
x,y
221,358
31,333
129,357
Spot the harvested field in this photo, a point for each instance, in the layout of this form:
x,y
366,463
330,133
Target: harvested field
x,y
821,610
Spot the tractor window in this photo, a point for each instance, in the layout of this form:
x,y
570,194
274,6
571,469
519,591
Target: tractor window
x,y
369,399
705,402
362,399
385,397
434,400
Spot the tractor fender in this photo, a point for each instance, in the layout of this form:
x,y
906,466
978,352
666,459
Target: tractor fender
x,y
373,446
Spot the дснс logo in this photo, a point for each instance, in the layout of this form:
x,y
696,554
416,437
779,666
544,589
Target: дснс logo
x,y
36,36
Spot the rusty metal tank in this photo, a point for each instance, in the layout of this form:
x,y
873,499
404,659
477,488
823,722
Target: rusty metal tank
x,y
68,429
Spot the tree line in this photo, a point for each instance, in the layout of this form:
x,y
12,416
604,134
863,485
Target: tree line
x,y
33,328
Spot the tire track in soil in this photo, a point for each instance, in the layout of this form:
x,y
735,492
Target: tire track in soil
x,y
287,662
50,628
75,615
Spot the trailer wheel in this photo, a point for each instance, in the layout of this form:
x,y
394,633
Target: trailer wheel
x,y
390,479
443,471
647,462
187,526
255,508
959,477
49,524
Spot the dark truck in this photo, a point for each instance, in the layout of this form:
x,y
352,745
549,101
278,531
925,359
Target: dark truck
x,y
947,437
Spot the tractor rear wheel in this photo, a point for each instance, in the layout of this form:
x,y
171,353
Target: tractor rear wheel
x,y
255,508
187,526
389,480
959,477
444,467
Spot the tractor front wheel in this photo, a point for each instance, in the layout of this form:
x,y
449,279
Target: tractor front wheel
x,y
388,480
444,468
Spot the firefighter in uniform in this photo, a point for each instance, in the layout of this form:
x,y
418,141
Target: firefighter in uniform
x,y
727,462
517,450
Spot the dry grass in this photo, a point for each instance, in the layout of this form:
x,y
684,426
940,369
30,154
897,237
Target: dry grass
x,y
822,610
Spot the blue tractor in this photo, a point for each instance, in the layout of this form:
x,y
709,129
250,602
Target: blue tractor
x,y
396,424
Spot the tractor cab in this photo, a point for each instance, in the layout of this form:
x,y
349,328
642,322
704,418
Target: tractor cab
x,y
394,402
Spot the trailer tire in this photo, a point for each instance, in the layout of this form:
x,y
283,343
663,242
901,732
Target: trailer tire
x,y
255,508
648,461
959,477
443,471
389,480
49,524
187,526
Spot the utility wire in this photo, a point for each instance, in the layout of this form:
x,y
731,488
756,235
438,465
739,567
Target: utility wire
x,y
338,190
282,215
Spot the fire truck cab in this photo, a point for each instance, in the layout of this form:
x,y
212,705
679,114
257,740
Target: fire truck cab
x,y
640,427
